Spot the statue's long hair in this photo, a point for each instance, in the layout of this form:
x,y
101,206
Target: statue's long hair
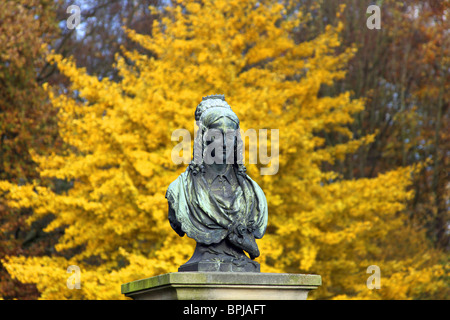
x,y
204,121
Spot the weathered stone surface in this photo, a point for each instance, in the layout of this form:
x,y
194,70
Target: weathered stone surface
x,y
223,286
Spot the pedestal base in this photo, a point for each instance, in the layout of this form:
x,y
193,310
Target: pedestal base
x,y
212,266
222,256
223,286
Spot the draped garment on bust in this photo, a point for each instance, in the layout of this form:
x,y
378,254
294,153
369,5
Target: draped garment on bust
x,y
196,211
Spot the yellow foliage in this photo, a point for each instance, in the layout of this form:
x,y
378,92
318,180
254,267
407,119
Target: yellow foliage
x,y
120,165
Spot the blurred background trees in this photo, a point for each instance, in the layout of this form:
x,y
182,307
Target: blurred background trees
x,y
27,121
401,71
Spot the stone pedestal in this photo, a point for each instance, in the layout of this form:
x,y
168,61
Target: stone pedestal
x,y
223,286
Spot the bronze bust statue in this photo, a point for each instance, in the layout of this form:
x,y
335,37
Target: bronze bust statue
x,y
214,201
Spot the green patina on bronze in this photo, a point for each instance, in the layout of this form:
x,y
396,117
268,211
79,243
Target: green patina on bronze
x,y
214,201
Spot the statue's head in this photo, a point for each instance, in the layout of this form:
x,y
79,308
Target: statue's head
x,y
218,130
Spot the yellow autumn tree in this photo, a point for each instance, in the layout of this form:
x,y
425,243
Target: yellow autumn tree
x,y
119,160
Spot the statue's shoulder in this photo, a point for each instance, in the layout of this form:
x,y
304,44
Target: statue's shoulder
x,y
255,185
174,187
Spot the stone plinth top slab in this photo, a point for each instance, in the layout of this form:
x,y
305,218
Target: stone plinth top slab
x,y
219,285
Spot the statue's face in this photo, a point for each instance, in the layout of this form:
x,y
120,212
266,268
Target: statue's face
x,y
222,135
